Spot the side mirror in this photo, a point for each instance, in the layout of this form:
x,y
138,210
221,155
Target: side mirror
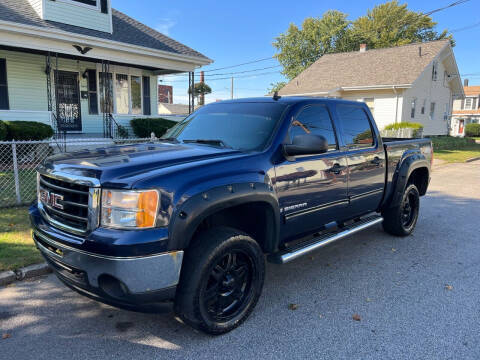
x,y
306,144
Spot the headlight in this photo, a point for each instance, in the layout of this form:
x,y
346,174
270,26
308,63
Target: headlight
x,y
129,209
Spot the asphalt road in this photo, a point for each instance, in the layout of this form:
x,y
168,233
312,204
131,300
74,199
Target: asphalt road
x,y
417,298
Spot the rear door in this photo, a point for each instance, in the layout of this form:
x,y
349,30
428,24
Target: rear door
x,y
312,189
365,158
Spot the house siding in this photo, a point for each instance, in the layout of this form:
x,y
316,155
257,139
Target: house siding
x,y
27,89
384,104
424,88
77,14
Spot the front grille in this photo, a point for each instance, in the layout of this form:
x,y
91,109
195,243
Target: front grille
x,y
74,200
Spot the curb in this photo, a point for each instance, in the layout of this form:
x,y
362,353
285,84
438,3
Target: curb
x,y
28,272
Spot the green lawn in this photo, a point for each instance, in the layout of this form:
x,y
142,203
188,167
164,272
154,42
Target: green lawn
x,y
27,182
452,149
16,245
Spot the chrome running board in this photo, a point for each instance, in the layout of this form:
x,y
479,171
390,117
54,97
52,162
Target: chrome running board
x,y
304,248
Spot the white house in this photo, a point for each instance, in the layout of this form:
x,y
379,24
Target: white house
x,y
466,110
414,83
81,65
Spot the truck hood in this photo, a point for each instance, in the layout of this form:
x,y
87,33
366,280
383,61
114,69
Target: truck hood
x,y
119,163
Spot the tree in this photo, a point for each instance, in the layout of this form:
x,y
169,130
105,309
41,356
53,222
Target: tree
x,y
389,24
392,24
199,91
276,86
299,48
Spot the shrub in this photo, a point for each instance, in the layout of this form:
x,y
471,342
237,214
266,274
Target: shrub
x,y
142,128
122,132
28,130
451,143
472,130
3,131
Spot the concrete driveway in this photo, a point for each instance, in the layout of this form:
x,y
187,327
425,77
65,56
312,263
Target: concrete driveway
x,y
417,298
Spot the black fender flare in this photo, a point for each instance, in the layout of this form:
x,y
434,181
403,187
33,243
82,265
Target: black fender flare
x,y
190,214
408,165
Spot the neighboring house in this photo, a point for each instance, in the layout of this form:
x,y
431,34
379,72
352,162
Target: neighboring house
x,y
172,109
466,110
414,83
81,65
165,94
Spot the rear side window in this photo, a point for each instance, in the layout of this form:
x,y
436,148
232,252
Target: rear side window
x,y
357,132
314,119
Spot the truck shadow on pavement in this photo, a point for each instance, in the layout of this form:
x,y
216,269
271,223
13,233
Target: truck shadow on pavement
x,y
370,274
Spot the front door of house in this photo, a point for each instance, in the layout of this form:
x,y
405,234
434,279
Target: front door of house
x,y
68,101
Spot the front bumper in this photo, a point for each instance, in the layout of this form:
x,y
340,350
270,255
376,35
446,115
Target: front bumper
x,y
117,280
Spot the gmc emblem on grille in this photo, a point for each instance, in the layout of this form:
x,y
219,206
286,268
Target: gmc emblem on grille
x,y
51,199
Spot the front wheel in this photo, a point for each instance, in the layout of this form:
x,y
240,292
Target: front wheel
x,y
221,280
401,219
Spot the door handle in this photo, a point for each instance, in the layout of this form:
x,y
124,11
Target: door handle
x,y
336,169
376,161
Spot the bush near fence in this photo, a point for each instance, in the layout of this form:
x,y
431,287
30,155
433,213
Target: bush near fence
x,y
3,131
143,128
28,130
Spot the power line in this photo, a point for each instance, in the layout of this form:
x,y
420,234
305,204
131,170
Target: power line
x,y
228,78
468,27
233,73
446,7
237,65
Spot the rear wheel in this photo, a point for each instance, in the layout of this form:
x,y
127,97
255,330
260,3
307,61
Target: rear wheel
x,y
401,219
221,281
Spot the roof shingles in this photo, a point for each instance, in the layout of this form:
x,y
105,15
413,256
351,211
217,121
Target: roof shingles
x,y
125,29
388,66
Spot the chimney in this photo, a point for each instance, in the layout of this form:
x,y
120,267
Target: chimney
x,y
363,48
465,82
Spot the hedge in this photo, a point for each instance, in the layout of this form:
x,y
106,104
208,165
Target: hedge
x,y
451,143
404,125
3,131
472,130
143,128
28,130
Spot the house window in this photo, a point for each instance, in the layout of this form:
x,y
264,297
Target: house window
x,y
412,112
146,96
136,86
435,71
121,94
468,103
3,85
87,2
92,92
445,114
422,111
432,110
104,6
106,92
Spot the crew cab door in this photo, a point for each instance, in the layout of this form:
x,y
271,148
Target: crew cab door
x,y
312,189
365,158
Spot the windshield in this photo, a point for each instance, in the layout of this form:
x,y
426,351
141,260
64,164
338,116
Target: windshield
x,y
240,126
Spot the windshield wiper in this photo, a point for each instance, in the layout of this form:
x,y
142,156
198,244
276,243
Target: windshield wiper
x,y
216,142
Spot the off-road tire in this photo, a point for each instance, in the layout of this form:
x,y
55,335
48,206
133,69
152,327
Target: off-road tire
x,y
401,219
202,262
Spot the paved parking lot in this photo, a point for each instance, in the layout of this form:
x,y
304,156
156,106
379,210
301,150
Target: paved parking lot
x,y
417,298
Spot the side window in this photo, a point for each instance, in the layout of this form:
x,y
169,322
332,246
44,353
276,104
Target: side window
x,y
357,131
314,119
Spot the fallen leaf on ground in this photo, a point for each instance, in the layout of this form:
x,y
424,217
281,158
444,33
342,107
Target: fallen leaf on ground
x,y
449,287
293,306
356,317
6,336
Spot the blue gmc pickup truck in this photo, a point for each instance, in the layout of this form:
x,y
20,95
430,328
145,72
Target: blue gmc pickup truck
x,y
192,218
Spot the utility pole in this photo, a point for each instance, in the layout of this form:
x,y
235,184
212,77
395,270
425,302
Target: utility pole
x,y
232,89
202,96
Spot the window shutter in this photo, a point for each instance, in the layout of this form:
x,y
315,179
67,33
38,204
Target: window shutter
x,y
146,96
3,85
92,92
104,6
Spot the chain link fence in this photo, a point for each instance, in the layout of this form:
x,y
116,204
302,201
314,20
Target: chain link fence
x,y
20,159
